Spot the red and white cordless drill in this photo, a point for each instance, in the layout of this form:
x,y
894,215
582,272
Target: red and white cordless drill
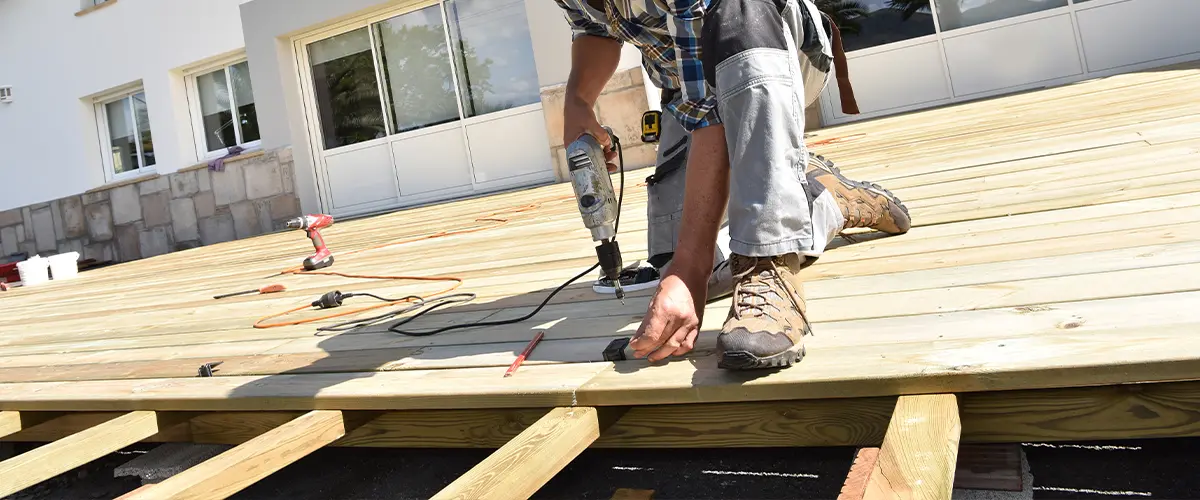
x,y
312,224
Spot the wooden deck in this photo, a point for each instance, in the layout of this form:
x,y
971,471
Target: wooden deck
x,y
1056,245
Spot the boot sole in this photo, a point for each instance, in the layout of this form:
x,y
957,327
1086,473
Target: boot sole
x,y
743,360
828,166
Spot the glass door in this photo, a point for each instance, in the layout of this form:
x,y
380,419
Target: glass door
x,y
426,103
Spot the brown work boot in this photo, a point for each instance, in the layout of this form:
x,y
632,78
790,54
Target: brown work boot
x,y
863,204
766,324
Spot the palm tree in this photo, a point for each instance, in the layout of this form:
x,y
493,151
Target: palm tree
x,y
845,14
949,11
908,7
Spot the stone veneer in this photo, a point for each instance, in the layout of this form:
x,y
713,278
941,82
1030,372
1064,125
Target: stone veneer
x,y
619,107
158,214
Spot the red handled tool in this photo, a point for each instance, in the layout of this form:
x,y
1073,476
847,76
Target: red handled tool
x,y
524,354
265,289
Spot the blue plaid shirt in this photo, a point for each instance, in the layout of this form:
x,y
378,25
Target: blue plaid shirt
x,y
667,32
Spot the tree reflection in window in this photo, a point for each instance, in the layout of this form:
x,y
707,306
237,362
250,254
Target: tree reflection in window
x,y
346,89
416,64
870,23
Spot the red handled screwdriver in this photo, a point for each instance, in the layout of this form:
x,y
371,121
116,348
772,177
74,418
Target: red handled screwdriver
x,y
265,289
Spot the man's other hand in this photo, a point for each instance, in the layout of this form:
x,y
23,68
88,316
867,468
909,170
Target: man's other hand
x,y
672,323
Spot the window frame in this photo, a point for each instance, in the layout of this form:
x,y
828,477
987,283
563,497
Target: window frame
x,y
196,114
104,133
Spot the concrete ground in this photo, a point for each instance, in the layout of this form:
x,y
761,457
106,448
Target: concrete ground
x,y
1159,469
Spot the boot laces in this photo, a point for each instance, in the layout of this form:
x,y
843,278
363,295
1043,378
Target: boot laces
x,y
752,296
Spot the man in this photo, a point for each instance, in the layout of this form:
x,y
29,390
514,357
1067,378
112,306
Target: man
x,y
736,77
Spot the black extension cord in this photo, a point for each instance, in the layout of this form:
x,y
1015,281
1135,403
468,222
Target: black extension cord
x,y
334,299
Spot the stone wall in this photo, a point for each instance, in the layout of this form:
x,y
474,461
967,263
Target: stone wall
x,y
619,107
158,214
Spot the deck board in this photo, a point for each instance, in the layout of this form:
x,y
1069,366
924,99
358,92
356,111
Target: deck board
x,y
1055,244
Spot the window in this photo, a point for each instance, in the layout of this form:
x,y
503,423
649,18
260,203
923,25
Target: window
x,y
451,61
954,14
870,23
222,108
124,123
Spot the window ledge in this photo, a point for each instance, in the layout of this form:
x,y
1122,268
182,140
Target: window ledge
x,y
94,8
124,182
244,156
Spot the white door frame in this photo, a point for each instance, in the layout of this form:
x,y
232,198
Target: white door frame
x,y
830,118
312,114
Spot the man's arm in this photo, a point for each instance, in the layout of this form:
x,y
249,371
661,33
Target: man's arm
x,y
674,319
594,59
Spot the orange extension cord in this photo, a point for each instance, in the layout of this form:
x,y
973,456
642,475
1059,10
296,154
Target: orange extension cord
x,y
492,218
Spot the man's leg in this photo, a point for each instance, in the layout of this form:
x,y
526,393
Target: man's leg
x,y
664,209
755,56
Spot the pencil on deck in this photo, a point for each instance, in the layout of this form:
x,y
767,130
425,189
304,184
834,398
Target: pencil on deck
x,y
524,354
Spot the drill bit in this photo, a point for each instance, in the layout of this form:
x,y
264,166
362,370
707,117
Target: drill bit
x,y
620,292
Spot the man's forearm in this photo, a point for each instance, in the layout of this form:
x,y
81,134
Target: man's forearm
x,y
594,59
704,203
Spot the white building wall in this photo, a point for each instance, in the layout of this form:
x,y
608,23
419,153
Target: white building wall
x,y
271,25
56,61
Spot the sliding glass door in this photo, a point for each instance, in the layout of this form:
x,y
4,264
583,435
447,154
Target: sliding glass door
x,y
405,102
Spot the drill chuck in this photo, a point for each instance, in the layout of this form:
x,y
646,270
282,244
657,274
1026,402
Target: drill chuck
x,y
609,254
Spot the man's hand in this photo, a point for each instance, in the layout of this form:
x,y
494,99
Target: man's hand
x,y
673,320
677,310
579,119
593,61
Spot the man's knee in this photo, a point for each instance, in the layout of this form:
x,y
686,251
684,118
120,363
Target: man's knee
x,y
735,26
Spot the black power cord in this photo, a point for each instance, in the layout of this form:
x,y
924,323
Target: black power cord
x,y
334,299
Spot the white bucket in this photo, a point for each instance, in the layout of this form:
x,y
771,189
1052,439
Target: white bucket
x,y
34,271
64,266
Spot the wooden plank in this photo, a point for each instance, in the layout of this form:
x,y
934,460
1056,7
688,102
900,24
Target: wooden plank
x,y
535,386
1058,355
10,422
45,462
855,485
235,469
1050,360
979,467
66,423
14,422
521,467
995,467
920,450
1136,411
632,494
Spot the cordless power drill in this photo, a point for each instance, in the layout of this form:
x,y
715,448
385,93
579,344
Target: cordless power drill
x,y
597,202
312,224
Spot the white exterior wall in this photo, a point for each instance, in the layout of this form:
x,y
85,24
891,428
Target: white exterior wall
x,y
271,25
56,61
1086,39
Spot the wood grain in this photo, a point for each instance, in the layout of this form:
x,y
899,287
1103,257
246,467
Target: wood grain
x,y
632,494
1135,411
919,453
47,461
1048,250
10,422
521,467
245,464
